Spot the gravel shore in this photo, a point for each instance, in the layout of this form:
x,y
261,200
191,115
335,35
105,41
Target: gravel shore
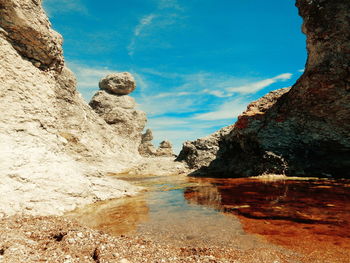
x,y
57,239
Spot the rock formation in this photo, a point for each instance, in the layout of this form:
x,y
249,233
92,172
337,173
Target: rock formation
x,y
306,132
26,27
201,152
118,109
146,147
52,144
165,149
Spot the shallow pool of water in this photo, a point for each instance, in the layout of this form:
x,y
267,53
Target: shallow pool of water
x,y
305,216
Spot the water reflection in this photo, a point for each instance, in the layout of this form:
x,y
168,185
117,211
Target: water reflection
x,y
115,217
162,214
310,216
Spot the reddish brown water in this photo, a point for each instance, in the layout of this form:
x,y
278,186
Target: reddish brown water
x,y
308,219
311,217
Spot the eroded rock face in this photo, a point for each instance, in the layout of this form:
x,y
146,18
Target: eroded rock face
x,y
306,132
201,152
146,147
25,25
122,83
119,112
54,148
165,149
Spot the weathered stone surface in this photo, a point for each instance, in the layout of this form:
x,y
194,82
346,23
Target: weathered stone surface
x,y
119,112
201,152
306,132
165,149
103,101
54,148
146,147
26,27
118,83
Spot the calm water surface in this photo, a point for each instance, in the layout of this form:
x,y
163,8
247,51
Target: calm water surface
x,y
311,217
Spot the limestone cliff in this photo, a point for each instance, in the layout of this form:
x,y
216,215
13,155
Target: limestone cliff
x,y
307,131
52,144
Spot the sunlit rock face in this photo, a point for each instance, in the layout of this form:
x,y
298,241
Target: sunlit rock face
x,y
52,144
306,131
146,147
119,111
28,29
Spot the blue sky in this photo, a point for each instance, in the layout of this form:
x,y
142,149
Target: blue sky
x,y
197,63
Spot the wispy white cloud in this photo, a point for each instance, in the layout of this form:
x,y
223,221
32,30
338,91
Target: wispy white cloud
x,y
164,15
301,70
167,105
164,122
221,85
216,93
56,7
228,110
145,21
173,94
259,85
163,4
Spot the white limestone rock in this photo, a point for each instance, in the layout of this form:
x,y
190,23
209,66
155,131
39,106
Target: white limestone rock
x,y
54,148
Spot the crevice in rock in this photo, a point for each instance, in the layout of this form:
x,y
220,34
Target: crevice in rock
x,y
96,255
58,237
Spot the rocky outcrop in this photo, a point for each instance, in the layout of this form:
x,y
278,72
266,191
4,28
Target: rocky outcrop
x,y
201,152
306,132
119,110
165,149
25,25
146,147
54,148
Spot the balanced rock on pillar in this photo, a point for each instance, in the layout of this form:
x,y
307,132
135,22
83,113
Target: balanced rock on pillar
x,y
118,109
